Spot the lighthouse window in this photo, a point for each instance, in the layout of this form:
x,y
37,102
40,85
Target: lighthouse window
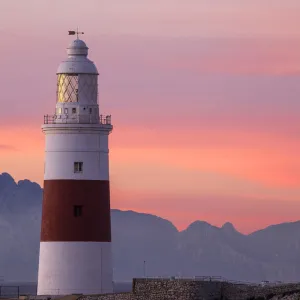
x,y
67,88
74,110
91,110
77,210
78,167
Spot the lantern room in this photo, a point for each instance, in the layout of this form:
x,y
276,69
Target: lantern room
x,y
77,76
77,86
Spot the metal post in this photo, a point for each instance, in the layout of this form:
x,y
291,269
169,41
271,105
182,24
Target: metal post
x,y
18,291
101,267
144,269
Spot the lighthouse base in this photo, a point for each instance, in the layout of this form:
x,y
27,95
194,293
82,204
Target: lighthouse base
x,y
75,268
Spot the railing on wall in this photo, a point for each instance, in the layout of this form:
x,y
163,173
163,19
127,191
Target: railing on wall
x,y
9,291
220,279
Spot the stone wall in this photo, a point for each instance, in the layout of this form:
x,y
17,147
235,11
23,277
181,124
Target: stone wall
x,y
177,289
184,289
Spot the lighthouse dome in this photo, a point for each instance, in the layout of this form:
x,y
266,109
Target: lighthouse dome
x,y
77,61
78,47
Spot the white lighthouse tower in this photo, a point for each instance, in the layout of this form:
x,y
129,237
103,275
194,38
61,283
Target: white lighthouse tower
x,y
75,247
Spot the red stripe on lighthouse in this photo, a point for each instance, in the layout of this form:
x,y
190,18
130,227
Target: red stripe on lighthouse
x,y
59,220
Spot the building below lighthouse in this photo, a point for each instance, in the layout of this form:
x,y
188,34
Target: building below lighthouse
x,y
75,246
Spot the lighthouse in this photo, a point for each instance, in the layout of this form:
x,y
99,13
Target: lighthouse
x,y
75,242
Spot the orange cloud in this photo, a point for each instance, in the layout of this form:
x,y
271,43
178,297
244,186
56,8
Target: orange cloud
x,y
246,213
5,148
265,159
270,160
27,162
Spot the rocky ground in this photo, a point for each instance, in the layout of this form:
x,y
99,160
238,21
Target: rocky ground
x,y
289,297
294,296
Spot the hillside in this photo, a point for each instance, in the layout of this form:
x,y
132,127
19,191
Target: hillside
x,y
201,249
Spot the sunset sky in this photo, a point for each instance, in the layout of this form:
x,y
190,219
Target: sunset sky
x,y
204,97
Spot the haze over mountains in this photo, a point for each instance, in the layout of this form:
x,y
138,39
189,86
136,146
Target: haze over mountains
x,y
202,249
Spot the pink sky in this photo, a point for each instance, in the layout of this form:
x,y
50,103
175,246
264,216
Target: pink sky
x,y
204,97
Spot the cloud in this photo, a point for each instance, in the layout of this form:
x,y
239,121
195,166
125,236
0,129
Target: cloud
x,y
153,74
224,107
4,147
248,213
200,55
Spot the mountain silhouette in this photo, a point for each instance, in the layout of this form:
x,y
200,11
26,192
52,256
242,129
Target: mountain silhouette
x,y
201,249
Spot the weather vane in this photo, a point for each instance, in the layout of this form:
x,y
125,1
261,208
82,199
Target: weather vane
x,y
72,32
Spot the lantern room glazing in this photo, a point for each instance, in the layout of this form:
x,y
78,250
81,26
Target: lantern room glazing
x,y
82,88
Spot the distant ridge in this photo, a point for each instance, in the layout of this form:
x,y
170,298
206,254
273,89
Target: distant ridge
x,y
270,254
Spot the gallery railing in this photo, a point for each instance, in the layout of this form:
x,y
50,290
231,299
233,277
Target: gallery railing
x,y
77,119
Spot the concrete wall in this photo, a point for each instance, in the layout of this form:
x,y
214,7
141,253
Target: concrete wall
x,y
181,289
